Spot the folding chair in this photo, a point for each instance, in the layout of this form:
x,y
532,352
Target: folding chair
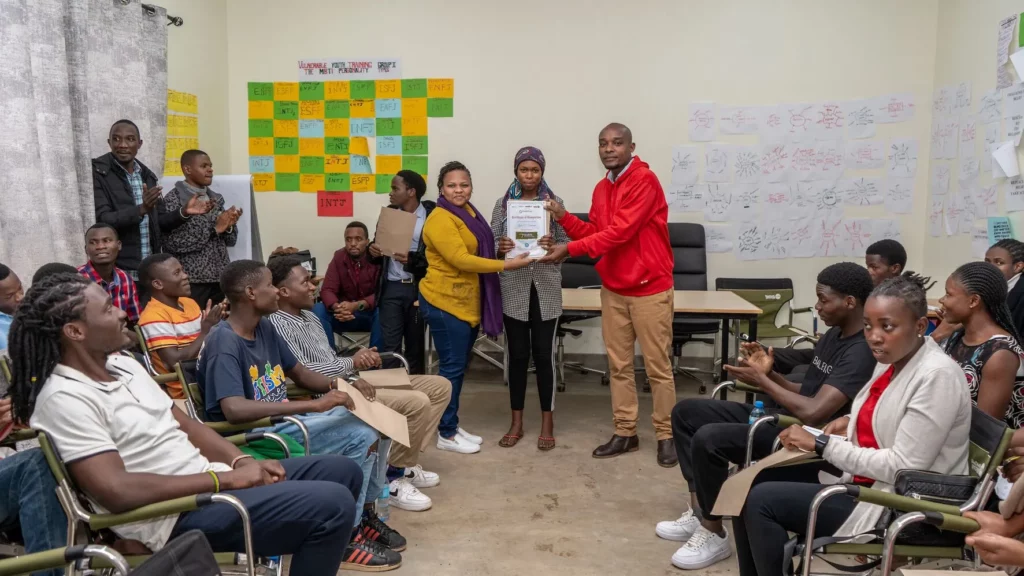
x,y
61,557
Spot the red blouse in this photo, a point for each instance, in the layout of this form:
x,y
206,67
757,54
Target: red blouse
x,y
865,429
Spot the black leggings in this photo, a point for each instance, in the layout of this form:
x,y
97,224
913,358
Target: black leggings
x,y
521,338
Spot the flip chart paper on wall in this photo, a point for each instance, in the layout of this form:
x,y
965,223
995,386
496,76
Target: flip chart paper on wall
x,y
357,69
999,229
1005,156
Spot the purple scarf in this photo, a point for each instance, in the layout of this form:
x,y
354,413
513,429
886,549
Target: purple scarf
x,y
490,287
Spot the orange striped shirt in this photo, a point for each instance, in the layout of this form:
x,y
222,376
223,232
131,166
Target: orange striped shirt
x,y
163,326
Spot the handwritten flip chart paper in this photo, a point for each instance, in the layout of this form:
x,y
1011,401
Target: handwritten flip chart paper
x,y
746,203
799,121
803,161
829,238
936,208
182,102
718,239
998,229
334,204
746,164
968,136
1015,194
895,108
854,236
945,132
685,197
776,202
940,177
737,120
829,121
902,157
1013,107
942,101
860,118
969,169
717,202
805,237
701,121
775,164
1017,59
979,241
862,191
1005,160
771,125
828,160
684,165
867,154
899,195
990,107
986,198
359,69
1003,38
991,136
962,96
717,162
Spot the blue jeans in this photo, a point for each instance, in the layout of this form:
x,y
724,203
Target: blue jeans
x,y
453,340
28,499
365,321
338,431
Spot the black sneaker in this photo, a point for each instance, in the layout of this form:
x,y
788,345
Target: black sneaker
x,y
364,555
374,529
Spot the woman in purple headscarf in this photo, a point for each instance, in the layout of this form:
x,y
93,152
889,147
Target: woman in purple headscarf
x,y
531,302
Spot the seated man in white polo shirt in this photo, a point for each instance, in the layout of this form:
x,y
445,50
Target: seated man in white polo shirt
x,y
126,444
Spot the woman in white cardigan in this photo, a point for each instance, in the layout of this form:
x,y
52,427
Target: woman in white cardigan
x,y
916,415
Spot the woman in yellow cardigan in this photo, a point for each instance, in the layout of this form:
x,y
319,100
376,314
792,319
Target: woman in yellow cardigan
x,y
460,293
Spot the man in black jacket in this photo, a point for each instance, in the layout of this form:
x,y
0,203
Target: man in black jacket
x,y
128,198
398,290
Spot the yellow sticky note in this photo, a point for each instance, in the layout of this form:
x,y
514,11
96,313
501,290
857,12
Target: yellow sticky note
x,y
359,146
389,88
172,167
440,88
336,127
414,107
311,146
287,163
182,102
311,182
261,109
286,91
336,164
389,164
286,128
336,90
182,125
263,182
415,126
362,109
363,182
261,146
311,109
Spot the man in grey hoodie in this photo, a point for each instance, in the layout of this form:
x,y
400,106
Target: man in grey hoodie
x,y
201,243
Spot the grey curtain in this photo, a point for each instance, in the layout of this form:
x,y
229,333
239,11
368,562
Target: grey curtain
x,y
70,68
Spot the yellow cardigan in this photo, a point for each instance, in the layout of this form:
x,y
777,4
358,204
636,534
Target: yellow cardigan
x,y
452,283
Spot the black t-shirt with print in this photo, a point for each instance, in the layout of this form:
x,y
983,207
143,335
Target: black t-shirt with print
x,y
843,363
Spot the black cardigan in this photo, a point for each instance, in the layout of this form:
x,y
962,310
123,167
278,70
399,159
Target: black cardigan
x,y
1015,300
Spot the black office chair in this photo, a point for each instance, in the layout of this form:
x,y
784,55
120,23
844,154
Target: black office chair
x,y
578,272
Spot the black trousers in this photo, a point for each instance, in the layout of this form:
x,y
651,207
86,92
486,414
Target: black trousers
x,y
535,336
399,319
709,435
207,291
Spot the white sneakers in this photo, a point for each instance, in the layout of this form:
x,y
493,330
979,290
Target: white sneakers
x,y
471,437
457,444
421,478
678,530
407,497
703,549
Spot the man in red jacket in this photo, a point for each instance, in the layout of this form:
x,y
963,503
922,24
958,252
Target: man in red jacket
x,y
628,230
349,292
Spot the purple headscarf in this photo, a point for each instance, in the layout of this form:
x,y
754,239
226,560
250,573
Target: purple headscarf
x,y
490,287
515,190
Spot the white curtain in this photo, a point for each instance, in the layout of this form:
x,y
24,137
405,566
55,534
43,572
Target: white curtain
x,y
70,68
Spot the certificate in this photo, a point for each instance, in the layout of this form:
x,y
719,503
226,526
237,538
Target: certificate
x,y
526,222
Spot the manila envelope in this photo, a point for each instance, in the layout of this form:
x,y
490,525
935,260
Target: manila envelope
x,y
380,417
394,231
394,378
734,492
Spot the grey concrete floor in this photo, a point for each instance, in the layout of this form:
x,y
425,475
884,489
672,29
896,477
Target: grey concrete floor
x,y
513,511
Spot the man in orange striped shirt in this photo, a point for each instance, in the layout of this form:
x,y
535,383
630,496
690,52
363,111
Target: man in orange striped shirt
x,y
173,324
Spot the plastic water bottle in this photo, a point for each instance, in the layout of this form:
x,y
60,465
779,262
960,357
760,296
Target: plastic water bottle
x,y
757,413
382,504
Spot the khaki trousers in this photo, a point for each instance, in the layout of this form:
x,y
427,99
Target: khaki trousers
x,y
647,319
422,407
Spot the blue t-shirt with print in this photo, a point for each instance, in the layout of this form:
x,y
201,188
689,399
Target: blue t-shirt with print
x,y
230,365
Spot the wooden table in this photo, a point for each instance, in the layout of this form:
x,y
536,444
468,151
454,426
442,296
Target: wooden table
x,y
716,305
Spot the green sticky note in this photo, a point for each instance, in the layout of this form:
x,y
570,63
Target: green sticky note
x,y
261,128
286,182
417,164
286,145
311,90
414,145
336,145
1020,41
363,90
261,90
414,88
286,110
336,109
311,165
440,107
384,183
389,126
338,183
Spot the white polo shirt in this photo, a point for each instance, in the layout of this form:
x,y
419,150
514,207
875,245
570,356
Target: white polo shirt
x,y
131,416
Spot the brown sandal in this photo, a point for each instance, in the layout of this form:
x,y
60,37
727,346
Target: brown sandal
x,y
509,440
545,443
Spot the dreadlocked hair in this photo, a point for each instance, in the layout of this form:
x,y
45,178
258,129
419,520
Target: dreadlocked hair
x,y
909,289
34,338
1014,247
987,282
453,166
925,282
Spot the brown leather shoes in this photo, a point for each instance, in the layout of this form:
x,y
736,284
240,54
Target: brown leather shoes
x,y
667,457
617,445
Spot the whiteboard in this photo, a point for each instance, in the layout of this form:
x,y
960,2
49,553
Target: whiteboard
x,y
237,191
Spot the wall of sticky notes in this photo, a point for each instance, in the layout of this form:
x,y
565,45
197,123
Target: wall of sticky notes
x,y
342,135
182,129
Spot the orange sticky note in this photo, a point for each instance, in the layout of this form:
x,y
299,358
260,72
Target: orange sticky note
x,y
414,107
336,127
286,91
362,109
261,109
389,88
261,146
389,164
286,128
363,182
440,88
311,146
358,145
336,164
311,109
311,182
287,163
263,182
415,126
336,90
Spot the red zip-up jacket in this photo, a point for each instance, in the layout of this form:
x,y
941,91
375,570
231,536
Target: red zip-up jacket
x,y
628,230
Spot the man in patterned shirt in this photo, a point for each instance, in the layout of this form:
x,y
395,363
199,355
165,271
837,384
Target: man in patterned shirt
x,y
102,246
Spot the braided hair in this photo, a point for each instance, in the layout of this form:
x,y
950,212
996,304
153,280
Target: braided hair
x,y
453,166
909,289
1014,247
34,338
987,282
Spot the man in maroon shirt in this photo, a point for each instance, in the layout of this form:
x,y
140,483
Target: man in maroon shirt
x,y
348,294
